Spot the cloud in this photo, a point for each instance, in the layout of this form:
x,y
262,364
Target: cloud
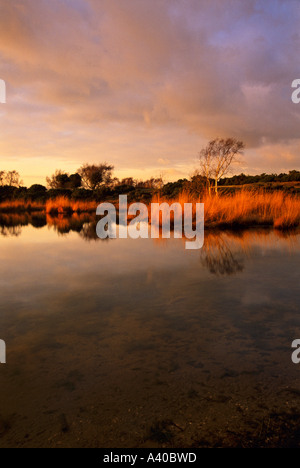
x,y
163,162
86,76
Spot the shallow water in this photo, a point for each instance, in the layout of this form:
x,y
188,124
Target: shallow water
x,y
141,343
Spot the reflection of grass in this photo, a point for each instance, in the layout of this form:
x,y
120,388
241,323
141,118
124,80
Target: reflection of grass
x,y
246,208
65,224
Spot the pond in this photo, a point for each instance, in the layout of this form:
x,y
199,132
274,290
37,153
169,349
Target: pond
x,y
142,343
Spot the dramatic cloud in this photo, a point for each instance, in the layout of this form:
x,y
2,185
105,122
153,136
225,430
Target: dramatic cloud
x,y
144,84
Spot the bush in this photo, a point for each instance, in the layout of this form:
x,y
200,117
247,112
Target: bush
x,y
7,192
55,193
142,194
37,192
123,189
20,193
103,192
82,194
172,189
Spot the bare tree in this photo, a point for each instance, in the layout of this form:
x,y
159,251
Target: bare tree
x,y
12,179
2,178
218,256
217,157
161,179
93,176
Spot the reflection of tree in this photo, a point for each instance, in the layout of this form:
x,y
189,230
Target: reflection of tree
x,y
88,232
10,231
84,224
65,224
217,256
11,224
221,252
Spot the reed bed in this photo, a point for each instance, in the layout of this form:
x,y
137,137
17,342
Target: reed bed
x,y
246,208
60,205
63,205
241,209
21,206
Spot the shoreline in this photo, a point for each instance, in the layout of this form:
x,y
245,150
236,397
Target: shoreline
x,y
90,217
244,209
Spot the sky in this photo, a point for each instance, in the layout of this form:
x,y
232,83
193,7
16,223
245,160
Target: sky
x,y
144,84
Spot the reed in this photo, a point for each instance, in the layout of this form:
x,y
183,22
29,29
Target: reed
x,y
63,205
60,205
246,208
241,209
21,206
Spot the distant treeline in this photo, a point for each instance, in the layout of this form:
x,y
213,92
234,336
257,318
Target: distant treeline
x,y
93,182
243,179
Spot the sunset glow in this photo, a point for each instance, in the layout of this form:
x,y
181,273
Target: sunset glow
x,y
144,84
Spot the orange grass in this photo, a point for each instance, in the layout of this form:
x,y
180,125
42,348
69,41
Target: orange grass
x,y
246,208
63,205
17,206
60,205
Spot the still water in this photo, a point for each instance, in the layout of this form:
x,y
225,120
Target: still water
x,y
141,343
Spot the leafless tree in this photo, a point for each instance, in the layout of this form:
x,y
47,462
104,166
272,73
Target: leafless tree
x,y
2,178
13,179
217,157
217,255
161,180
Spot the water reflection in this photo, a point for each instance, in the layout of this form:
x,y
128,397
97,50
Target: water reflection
x,y
136,343
224,252
12,224
219,257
